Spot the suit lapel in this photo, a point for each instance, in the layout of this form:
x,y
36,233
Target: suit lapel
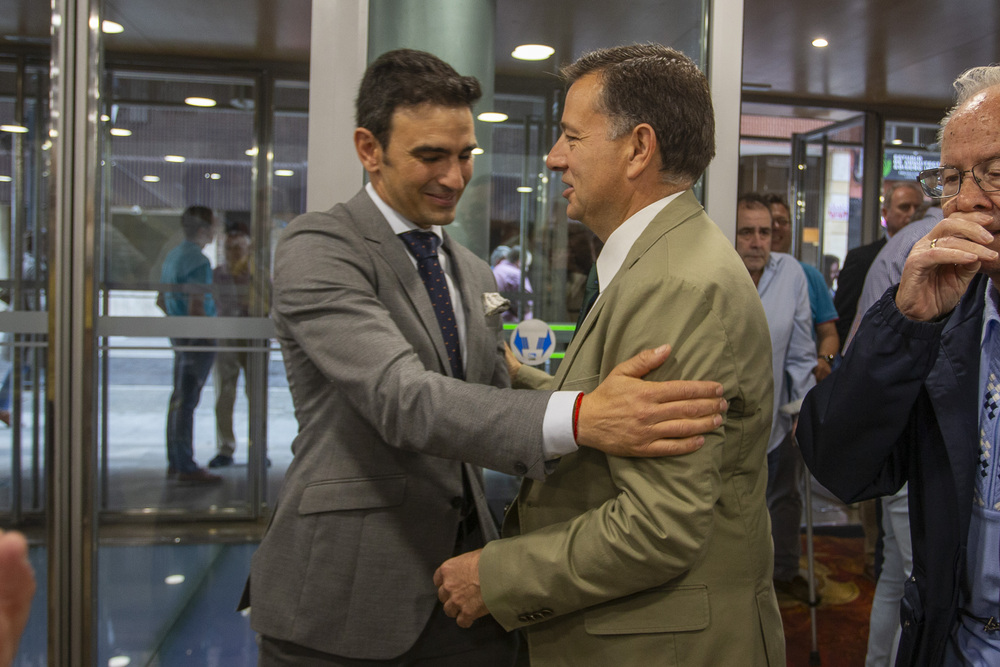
x,y
480,342
376,229
673,214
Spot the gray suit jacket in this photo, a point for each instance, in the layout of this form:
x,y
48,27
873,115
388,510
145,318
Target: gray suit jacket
x,y
628,561
370,504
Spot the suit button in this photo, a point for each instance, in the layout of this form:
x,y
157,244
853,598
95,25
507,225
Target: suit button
x,y
456,502
520,468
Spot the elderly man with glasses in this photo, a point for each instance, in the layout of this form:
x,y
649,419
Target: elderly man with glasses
x,y
917,398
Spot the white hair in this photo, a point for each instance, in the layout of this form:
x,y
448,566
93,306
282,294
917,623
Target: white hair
x,y
970,83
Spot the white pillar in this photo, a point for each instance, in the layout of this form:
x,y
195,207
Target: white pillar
x,y
725,74
338,57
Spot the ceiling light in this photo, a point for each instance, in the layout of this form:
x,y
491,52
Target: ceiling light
x,y
532,52
199,101
284,172
120,132
492,117
120,661
174,158
5,179
896,142
819,43
477,151
174,579
105,118
216,176
524,189
149,178
111,28
251,151
16,129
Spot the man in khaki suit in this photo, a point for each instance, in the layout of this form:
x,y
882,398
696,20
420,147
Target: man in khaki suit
x,y
616,561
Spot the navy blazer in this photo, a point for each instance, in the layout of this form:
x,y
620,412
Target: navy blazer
x,y
903,407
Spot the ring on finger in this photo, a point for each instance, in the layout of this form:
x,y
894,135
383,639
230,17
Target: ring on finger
x,y
933,243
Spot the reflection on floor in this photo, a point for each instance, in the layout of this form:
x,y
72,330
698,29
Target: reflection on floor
x,y
160,605
172,601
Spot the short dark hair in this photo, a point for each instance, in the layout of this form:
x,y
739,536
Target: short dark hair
x,y
194,218
654,84
753,200
237,227
772,198
407,78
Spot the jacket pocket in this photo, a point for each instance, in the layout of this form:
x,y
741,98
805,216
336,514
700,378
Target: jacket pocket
x,y
338,495
673,609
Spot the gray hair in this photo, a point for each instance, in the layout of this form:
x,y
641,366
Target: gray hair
x,y
970,83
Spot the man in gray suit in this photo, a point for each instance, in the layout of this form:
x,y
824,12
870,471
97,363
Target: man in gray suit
x,y
376,343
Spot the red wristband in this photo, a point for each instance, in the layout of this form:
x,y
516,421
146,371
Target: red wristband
x,y
576,414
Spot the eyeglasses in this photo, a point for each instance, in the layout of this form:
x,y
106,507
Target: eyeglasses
x,y
947,181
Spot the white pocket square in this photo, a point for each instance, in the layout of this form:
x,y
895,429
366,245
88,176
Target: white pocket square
x,y
494,303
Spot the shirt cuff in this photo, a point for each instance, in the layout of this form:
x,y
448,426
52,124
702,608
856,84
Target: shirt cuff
x,y
557,427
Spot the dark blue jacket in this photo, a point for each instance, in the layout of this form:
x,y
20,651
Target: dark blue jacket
x,y
903,407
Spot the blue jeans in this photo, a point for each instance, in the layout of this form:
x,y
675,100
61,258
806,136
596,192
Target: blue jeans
x,y
191,369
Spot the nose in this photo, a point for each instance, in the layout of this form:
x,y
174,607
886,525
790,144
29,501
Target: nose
x,y
556,159
456,174
970,196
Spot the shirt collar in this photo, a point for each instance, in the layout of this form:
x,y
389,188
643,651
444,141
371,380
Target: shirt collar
x,y
991,316
399,224
624,237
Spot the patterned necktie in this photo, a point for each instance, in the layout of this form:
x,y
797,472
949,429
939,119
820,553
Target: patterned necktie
x,y
423,246
590,292
987,484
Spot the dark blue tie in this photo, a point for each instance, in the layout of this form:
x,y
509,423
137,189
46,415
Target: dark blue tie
x,y
423,246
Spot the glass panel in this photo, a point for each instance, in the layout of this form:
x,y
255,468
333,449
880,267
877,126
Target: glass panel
x,y
180,192
23,323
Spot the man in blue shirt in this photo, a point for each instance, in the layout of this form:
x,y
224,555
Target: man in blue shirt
x,y
927,354
824,314
784,292
189,271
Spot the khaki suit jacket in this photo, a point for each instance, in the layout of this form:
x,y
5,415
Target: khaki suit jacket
x,y
615,561
371,503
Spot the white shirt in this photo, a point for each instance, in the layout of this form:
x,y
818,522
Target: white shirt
x,y
623,238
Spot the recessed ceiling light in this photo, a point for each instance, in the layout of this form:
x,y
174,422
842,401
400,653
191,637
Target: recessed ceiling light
x,y
5,179
174,579
820,42
119,661
896,142
199,101
532,52
120,132
111,28
524,189
216,176
16,129
174,158
105,118
284,172
149,178
477,151
251,151
492,117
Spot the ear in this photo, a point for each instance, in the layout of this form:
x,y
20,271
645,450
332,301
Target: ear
x,y
643,150
368,148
